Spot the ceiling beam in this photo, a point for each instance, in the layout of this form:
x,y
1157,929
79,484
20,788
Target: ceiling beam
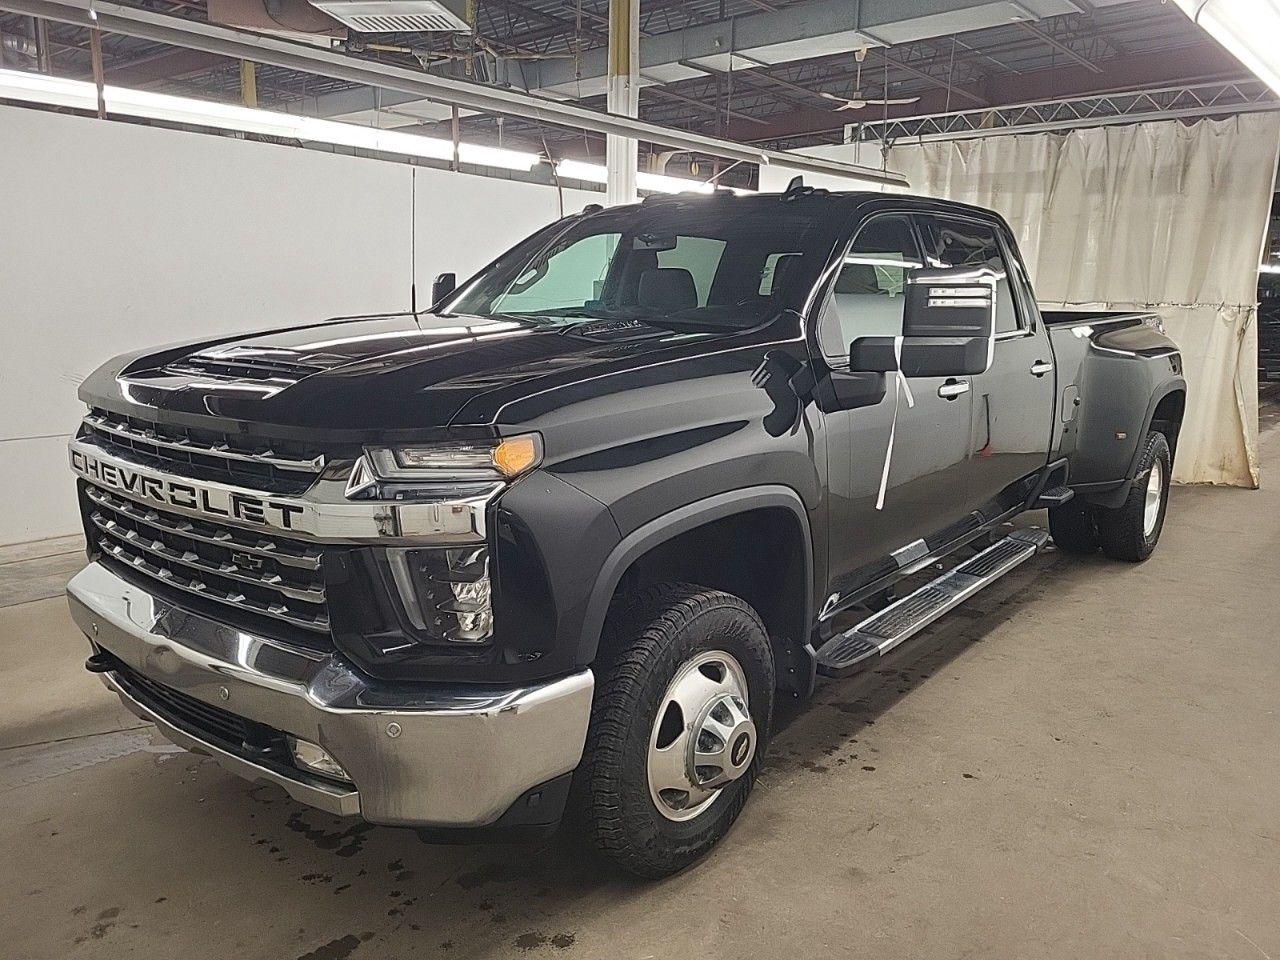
x,y
753,78
926,77
788,29
663,94
246,45
560,23
168,64
1058,45
1204,60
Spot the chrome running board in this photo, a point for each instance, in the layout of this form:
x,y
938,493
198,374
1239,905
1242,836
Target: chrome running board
x,y
856,649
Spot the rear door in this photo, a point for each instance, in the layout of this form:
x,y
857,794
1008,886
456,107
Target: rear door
x,y
1013,400
925,492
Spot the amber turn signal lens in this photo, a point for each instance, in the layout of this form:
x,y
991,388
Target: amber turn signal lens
x,y
517,455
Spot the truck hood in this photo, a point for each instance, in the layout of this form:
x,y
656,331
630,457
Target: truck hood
x,y
371,376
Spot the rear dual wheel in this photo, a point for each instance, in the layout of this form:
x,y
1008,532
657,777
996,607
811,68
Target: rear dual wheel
x,y
1130,531
684,698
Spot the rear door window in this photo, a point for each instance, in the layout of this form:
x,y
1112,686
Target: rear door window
x,y
966,243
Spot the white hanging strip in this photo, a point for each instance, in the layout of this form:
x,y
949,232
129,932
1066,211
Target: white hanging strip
x,y
900,389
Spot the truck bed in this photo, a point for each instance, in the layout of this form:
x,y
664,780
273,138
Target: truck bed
x,y
1056,318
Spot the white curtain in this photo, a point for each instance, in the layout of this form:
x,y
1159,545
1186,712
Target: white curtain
x,y
1161,216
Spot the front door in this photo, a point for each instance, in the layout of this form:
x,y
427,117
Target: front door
x,y
1013,400
879,522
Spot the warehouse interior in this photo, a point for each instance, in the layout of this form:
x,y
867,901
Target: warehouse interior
x,y
1079,761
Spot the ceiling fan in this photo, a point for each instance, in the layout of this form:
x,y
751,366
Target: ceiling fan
x,y
858,100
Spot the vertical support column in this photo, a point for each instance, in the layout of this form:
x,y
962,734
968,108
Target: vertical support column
x,y
621,154
456,134
44,56
95,54
248,83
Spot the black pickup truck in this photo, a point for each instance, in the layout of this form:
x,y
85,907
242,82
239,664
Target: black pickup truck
x,y
558,544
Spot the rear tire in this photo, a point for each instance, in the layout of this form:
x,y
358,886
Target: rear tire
x,y
709,651
1132,531
1073,527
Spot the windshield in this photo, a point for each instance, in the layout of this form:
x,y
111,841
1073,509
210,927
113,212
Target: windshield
x,y
707,262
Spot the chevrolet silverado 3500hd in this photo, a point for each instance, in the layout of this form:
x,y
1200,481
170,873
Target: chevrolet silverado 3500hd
x,y
558,543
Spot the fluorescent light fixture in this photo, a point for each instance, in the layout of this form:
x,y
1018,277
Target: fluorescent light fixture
x,y
652,182
1269,268
79,94
660,183
1249,29
579,170
483,156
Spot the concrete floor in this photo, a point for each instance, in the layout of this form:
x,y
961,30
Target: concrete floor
x,y
1083,762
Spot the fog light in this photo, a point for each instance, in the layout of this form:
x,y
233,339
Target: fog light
x,y
311,757
446,594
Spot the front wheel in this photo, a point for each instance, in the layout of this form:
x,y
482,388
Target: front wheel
x,y
684,698
1132,531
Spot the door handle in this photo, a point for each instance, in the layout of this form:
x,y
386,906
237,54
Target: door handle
x,y
953,388
1040,368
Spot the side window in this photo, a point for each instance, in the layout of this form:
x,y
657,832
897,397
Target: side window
x,y
570,277
960,243
867,299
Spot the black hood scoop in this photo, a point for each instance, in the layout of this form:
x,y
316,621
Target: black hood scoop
x,y
233,362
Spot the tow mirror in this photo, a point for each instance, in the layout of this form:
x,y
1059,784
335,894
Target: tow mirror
x,y
444,285
948,326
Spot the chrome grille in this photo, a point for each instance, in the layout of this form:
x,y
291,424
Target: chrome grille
x,y
264,574
207,455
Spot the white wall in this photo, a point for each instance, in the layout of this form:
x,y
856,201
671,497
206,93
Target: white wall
x,y
116,236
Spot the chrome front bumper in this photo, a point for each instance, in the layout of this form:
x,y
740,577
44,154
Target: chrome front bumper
x,y
417,755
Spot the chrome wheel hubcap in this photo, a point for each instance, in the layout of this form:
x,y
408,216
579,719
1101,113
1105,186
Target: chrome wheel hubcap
x,y
1151,505
703,737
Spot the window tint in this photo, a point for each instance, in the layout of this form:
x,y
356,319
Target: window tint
x,y
867,300
962,244
697,264
570,276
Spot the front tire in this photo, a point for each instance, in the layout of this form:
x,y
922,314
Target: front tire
x,y
1132,531
679,724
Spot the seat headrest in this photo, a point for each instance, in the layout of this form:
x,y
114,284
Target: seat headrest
x,y
668,289
858,278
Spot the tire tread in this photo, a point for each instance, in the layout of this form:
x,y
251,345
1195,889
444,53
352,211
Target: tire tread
x,y
1120,531
636,635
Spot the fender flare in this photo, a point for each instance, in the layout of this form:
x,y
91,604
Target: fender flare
x,y
657,531
1170,386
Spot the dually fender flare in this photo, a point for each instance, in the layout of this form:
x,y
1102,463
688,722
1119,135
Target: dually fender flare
x,y
1172,385
657,531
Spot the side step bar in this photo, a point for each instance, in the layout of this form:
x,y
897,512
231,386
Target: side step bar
x,y
856,649
1054,497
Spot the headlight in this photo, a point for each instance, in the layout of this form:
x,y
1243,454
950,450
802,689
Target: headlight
x,y
480,460
458,461
446,594
1155,322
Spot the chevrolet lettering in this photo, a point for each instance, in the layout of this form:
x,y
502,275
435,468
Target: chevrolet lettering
x,y
561,542
169,491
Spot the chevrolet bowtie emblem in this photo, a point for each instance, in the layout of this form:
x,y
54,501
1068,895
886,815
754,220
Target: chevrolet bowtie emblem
x,y
247,561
